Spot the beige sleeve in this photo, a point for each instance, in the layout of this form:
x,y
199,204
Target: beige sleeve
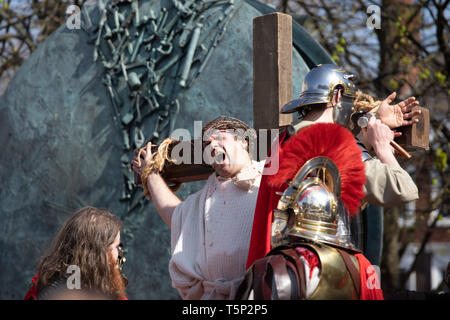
x,y
388,185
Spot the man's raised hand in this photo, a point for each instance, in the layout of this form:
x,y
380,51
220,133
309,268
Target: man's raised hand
x,y
139,161
400,114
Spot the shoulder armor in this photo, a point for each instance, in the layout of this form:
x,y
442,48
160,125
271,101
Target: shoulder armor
x,y
335,281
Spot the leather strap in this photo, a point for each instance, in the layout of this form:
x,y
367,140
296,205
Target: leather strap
x,y
275,266
354,273
300,271
246,286
281,276
262,291
293,274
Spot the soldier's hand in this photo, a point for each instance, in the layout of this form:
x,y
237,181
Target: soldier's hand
x,y
379,135
400,114
138,165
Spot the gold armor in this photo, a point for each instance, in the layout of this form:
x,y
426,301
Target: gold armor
x,y
335,280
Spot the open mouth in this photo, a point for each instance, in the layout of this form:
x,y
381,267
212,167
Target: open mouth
x,y
220,155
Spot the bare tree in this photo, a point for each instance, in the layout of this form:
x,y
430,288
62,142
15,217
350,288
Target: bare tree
x,y
23,25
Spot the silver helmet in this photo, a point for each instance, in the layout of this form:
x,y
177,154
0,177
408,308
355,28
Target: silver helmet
x,y
320,85
311,208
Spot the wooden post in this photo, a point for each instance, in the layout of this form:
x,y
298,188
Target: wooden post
x,y
272,70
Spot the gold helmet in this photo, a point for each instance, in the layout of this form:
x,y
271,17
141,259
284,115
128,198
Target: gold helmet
x,y
325,173
311,207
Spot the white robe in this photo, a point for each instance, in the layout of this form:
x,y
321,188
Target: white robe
x,y
210,237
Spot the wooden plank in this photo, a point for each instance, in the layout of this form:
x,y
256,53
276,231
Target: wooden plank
x,y
184,172
272,70
187,172
416,137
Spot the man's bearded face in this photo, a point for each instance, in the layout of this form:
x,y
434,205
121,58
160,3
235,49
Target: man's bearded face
x,y
117,281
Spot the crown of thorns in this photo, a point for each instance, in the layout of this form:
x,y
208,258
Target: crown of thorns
x,y
229,123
